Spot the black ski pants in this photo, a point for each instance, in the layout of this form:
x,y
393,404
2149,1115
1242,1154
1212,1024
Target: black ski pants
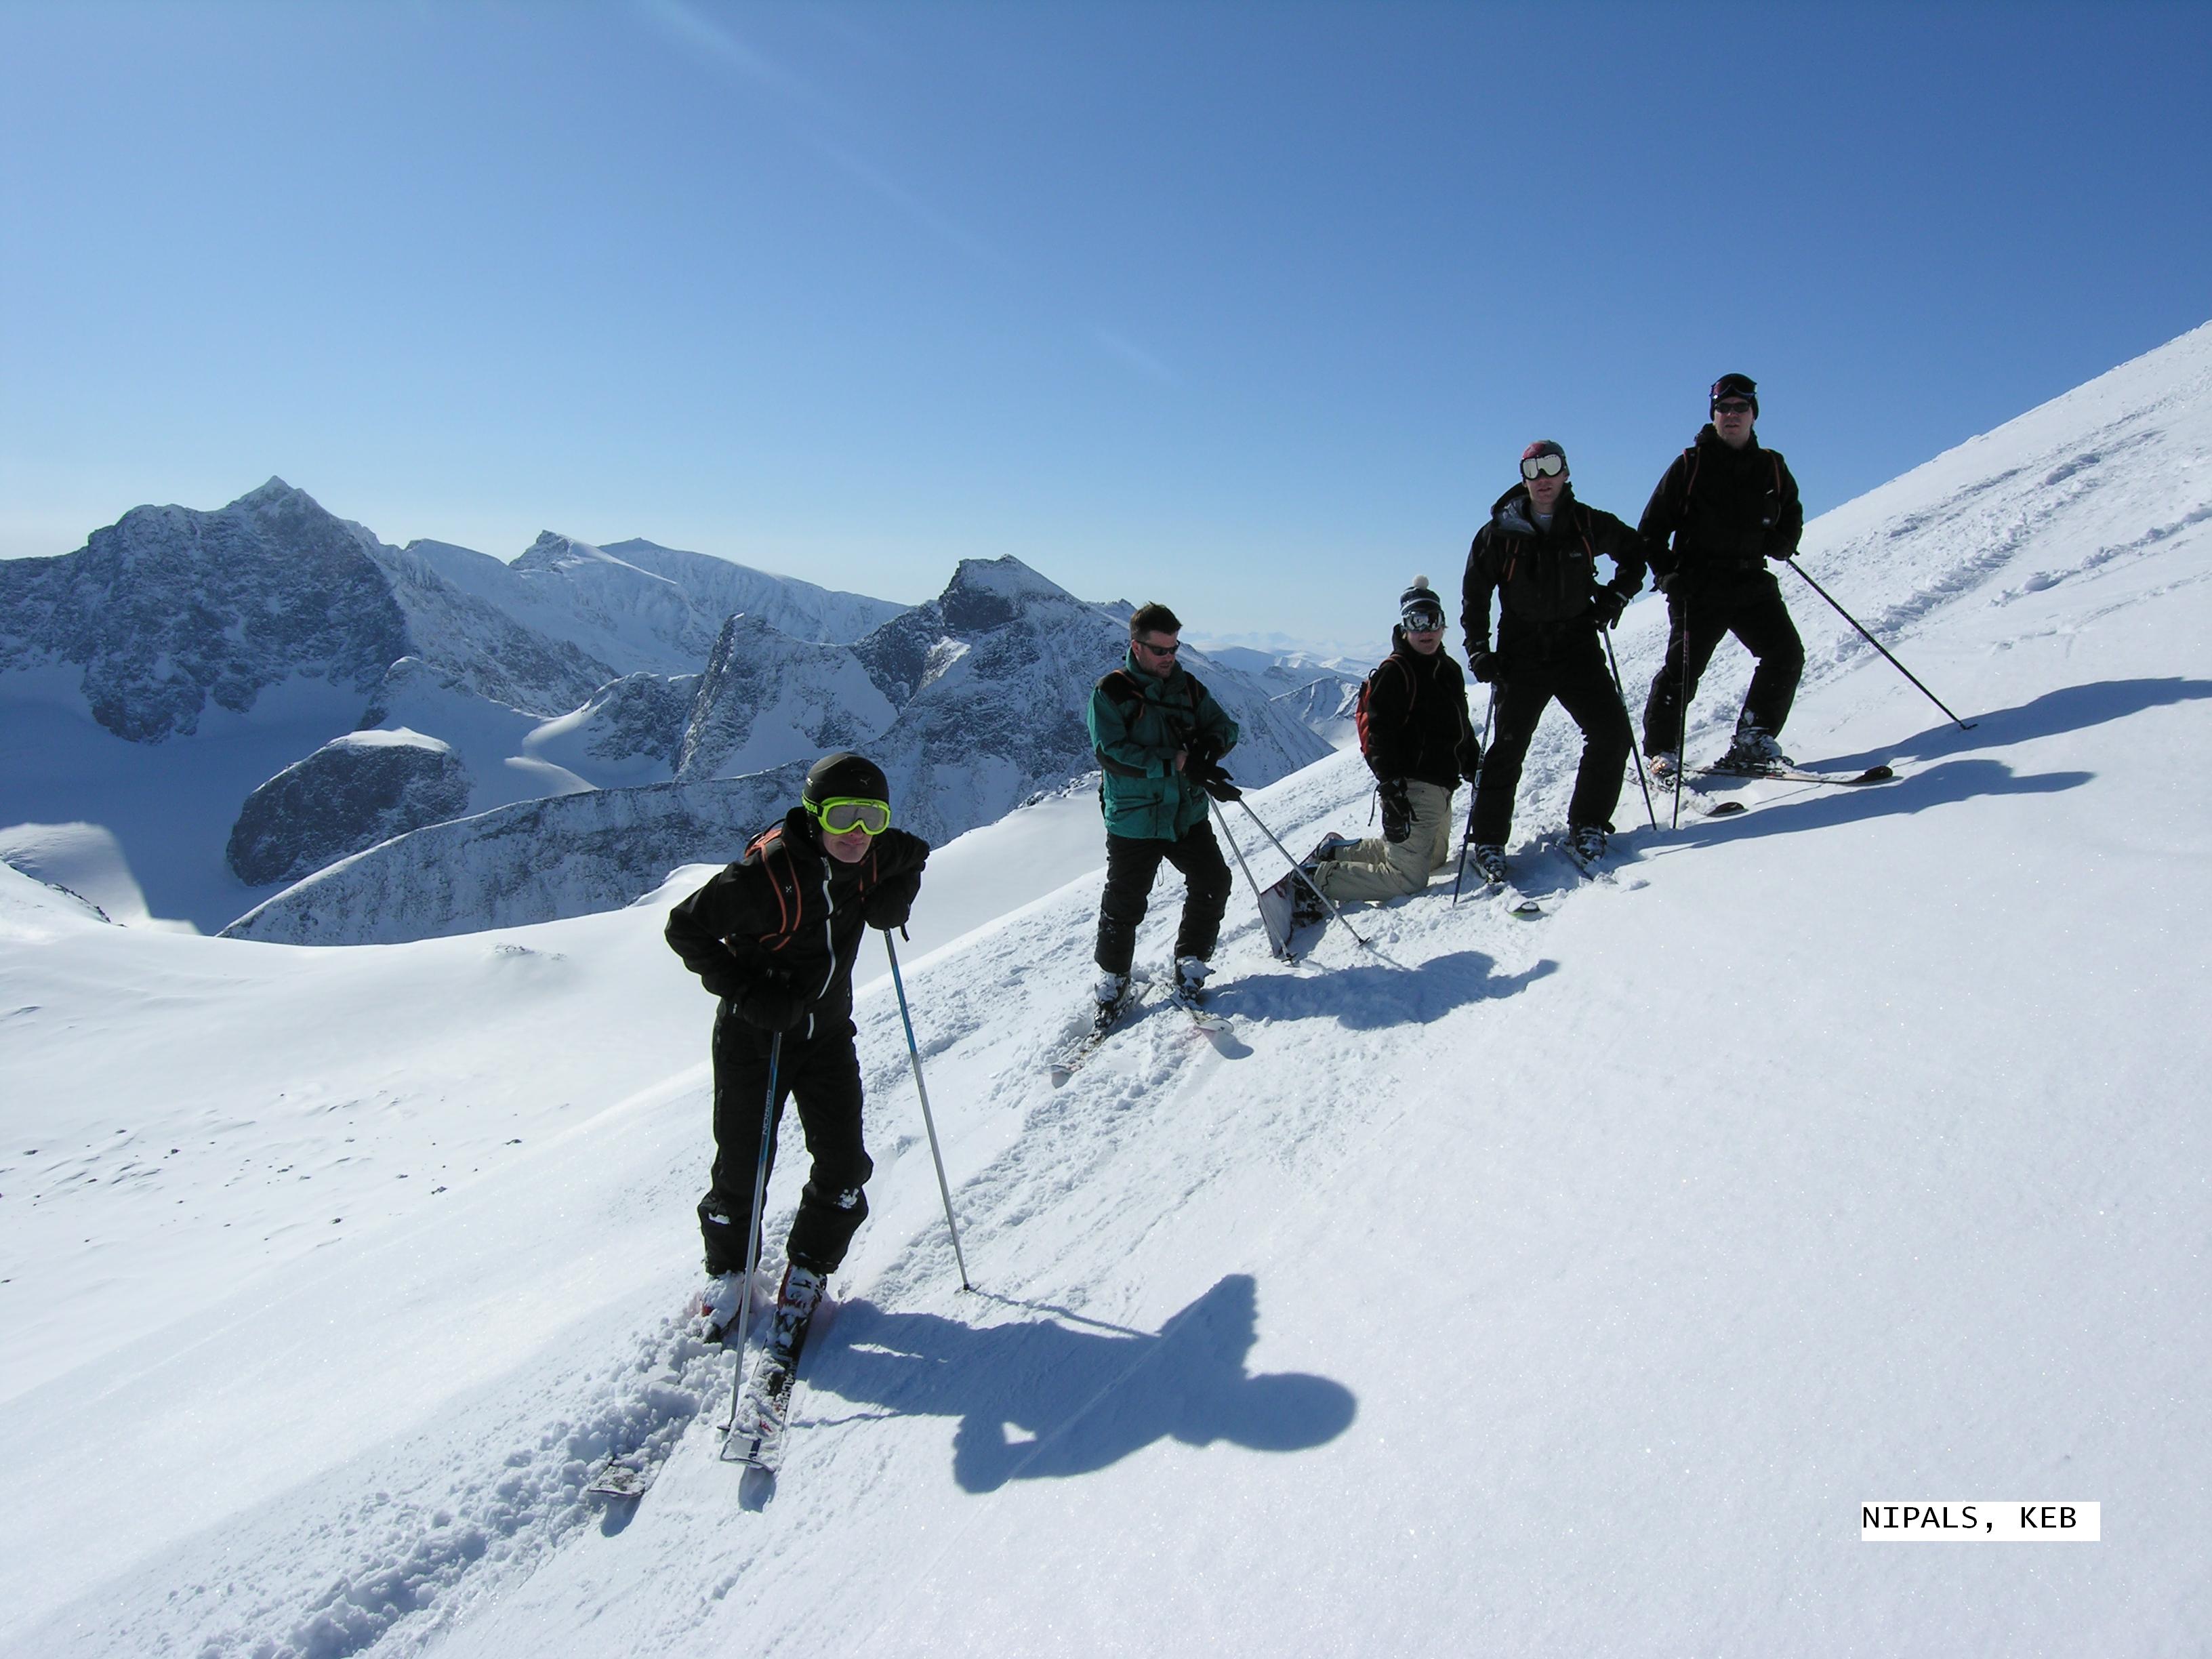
x,y
1698,620
821,1075
1576,676
1132,864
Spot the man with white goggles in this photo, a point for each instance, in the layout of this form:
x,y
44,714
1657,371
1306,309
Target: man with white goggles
x,y
1547,465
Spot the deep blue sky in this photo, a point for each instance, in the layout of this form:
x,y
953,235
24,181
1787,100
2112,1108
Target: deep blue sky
x,y
1247,307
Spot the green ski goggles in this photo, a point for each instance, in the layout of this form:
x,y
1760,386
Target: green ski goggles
x,y
841,815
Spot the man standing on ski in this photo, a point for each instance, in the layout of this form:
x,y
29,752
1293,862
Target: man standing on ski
x,y
1728,506
775,936
1157,732
1417,739
1539,554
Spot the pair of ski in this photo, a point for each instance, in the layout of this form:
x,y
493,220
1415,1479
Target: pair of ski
x,y
759,1425
1781,773
1069,1061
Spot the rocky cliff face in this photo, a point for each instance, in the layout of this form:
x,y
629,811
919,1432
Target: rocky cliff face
x,y
168,609
352,792
533,861
765,699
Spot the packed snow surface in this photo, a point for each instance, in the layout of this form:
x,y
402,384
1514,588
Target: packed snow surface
x,y
1512,1287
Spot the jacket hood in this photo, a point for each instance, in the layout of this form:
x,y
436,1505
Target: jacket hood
x,y
1513,512
1710,441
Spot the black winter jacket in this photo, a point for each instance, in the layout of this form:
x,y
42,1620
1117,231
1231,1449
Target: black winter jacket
x,y
1726,511
787,916
1544,579
1413,721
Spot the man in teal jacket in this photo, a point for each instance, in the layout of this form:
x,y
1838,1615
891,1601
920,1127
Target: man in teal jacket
x,y
1157,731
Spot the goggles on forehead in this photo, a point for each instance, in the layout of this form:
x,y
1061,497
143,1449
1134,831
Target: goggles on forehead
x,y
1543,466
841,815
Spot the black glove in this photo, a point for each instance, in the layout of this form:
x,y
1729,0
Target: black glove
x,y
770,1001
1397,809
1482,663
1202,750
1605,605
1781,552
1469,756
1664,580
1215,781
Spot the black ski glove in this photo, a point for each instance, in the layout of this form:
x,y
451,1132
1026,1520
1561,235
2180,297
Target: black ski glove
x,y
1664,580
1397,809
1469,756
769,1001
1781,552
1482,663
1202,752
1215,781
1605,605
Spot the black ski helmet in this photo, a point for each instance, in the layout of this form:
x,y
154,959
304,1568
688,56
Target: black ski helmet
x,y
1734,386
844,776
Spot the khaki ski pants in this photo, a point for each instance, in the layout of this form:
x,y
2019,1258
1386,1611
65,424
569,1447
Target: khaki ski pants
x,y
1379,869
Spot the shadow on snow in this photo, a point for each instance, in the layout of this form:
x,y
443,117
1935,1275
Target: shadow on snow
x,y
1045,1398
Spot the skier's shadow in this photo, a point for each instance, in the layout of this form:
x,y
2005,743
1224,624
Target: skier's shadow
x,y
1822,807
1050,1397
1366,996
2067,709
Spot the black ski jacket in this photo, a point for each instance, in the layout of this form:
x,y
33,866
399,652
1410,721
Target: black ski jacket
x,y
1413,721
1544,579
1726,511
789,915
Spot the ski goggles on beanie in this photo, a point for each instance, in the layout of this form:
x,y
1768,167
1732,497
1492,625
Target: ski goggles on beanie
x,y
1731,387
1547,465
841,815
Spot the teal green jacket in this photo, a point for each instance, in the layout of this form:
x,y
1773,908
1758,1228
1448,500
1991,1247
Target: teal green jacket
x,y
1136,738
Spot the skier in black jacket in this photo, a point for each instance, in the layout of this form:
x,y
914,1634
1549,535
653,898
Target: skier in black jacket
x,y
1418,741
1728,506
1539,554
775,936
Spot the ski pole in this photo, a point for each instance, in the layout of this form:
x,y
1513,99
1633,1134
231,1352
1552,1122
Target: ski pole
x,y
1642,782
928,1122
1273,948
1473,785
1299,871
1682,713
753,1243
1465,840
1964,725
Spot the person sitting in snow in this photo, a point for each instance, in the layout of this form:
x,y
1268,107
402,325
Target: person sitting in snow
x,y
1157,732
1418,742
775,936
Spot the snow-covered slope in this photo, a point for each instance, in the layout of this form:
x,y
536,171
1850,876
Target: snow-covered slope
x,y
1516,1288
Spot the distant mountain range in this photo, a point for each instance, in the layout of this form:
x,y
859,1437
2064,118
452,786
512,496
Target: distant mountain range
x,y
204,687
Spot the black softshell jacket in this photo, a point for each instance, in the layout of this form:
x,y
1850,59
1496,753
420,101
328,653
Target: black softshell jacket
x,y
789,910
1415,722
1725,511
1544,579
